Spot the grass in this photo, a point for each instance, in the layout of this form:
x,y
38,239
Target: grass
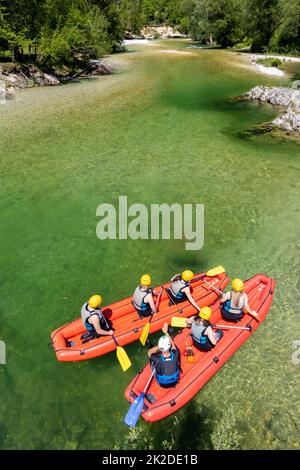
x,y
272,62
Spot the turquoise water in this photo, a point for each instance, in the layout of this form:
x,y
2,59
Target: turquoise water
x,y
161,129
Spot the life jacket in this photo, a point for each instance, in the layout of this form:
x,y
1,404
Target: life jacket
x,y
176,288
227,307
170,369
86,314
138,298
200,330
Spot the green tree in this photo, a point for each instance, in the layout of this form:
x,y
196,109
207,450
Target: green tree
x,y
215,21
73,27
287,36
263,17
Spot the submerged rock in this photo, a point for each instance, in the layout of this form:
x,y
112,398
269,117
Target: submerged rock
x,y
288,98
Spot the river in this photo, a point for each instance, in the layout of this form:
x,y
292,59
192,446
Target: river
x,y
161,129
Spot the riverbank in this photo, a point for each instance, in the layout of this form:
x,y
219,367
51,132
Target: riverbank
x,y
20,76
257,62
157,32
287,98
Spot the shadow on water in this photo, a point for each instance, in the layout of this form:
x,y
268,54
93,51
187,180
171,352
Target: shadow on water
x,y
188,258
270,134
187,431
194,427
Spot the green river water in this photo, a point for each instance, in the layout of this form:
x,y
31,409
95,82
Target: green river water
x,y
161,129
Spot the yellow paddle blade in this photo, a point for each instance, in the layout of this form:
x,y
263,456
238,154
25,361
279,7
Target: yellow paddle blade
x,y
145,333
178,322
123,358
215,271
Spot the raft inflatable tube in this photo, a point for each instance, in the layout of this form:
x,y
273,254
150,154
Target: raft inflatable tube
x,y
127,325
164,402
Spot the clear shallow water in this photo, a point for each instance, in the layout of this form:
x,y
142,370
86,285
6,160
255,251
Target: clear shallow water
x,y
160,130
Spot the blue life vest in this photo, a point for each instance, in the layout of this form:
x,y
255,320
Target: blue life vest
x,y
203,337
227,307
86,314
176,288
138,299
171,371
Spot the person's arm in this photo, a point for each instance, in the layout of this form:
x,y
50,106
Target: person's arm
x,y
94,320
225,297
211,335
187,292
166,332
153,350
189,321
150,301
249,310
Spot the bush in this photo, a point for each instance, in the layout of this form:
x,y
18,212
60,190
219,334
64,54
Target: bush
x,y
272,62
82,30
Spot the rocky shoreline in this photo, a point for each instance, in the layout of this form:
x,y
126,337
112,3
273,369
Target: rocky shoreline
x,y
157,32
272,70
287,98
17,76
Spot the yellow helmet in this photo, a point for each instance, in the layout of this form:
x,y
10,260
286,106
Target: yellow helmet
x,y
95,301
146,280
237,285
187,275
205,313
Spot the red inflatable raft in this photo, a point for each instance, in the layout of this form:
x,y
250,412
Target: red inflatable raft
x,y
67,342
194,375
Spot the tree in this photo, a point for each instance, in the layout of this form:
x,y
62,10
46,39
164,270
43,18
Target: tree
x,y
287,36
263,16
215,21
70,29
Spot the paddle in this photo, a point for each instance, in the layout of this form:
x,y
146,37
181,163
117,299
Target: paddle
x,y
180,322
146,329
211,273
215,288
225,327
136,407
122,356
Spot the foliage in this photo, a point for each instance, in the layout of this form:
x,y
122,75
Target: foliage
x,y
55,29
263,18
216,21
272,62
79,30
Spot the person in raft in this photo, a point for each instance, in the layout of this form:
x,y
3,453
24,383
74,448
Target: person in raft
x,y
204,338
235,301
142,299
93,318
180,289
165,359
